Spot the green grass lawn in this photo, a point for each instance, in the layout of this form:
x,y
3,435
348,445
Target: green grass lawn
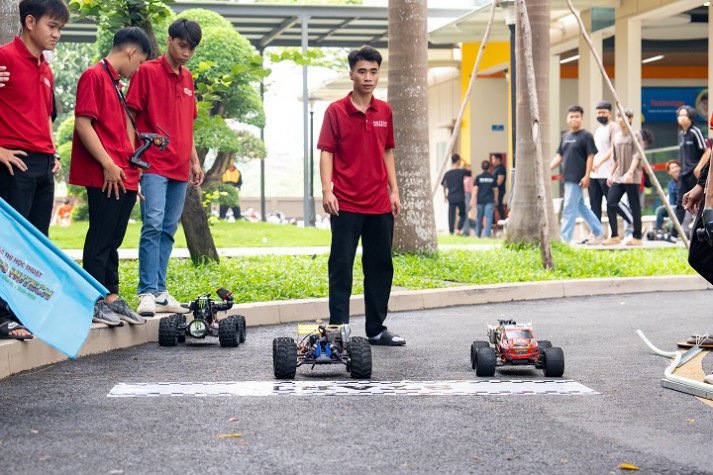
x,y
237,234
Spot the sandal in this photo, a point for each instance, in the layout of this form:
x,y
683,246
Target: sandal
x,y
6,329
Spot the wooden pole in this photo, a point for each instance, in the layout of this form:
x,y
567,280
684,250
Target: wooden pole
x,y
639,148
545,248
459,120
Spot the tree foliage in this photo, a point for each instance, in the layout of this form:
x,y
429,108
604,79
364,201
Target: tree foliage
x,y
70,60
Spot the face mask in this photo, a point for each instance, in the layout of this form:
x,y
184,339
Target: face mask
x,y
603,120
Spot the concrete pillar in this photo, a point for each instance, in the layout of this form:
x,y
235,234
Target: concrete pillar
x,y
555,114
590,84
627,65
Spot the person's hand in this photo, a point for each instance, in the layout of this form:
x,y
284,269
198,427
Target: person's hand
x,y
113,180
595,167
692,200
395,204
57,167
610,180
628,178
584,182
330,203
4,76
12,158
197,173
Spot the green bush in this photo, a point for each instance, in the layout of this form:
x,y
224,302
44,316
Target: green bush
x,y
80,212
228,195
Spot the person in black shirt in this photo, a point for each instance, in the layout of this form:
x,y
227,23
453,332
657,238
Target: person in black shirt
x,y
500,176
454,193
576,154
694,155
485,195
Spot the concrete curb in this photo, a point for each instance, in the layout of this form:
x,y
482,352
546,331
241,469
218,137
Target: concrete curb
x,y
18,356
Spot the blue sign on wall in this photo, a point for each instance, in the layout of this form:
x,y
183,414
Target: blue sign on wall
x,y
659,104
497,127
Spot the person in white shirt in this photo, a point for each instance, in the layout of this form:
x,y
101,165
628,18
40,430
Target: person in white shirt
x,y
602,166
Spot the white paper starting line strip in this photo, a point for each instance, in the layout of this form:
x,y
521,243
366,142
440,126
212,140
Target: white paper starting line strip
x,y
483,387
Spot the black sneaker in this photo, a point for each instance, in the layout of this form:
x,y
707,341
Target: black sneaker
x,y
124,312
104,314
387,339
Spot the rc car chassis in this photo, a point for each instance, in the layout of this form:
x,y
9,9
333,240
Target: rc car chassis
x,y
514,344
205,326
322,345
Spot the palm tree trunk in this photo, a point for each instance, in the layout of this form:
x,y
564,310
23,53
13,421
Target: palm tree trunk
x,y
9,20
524,220
415,230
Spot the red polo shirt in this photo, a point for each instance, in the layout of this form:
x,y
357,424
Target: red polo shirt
x,y
358,142
97,99
26,100
164,100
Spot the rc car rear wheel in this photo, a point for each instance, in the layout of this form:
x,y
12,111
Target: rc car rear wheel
x,y
168,331
360,358
544,344
242,328
181,334
229,332
553,362
284,358
473,348
485,361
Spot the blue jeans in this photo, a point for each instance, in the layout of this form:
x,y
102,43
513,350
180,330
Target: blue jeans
x,y
485,209
661,213
160,213
573,206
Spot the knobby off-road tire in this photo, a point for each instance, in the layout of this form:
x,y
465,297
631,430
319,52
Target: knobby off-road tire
x,y
485,362
473,348
168,331
360,358
229,332
553,362
242,328
181,335
284,358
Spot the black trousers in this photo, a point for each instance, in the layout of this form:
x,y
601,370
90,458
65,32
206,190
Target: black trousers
x,y
598,189
452,215
631,215
700,254
108,219
236,211
30,193
376,232
685,184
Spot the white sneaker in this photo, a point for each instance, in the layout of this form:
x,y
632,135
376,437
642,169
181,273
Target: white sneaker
x,y
708,379
165,303
596,240
147,305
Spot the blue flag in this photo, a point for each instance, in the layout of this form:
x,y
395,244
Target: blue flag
x,y
51,295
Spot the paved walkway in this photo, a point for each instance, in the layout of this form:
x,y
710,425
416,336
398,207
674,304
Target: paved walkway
x,y
182,253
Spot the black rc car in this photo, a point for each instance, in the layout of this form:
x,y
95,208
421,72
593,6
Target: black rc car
x,y
322,345
205,326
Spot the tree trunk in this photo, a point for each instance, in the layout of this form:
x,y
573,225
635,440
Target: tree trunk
x,y
155,50
9,20
524,219
222,162
415,230
195,225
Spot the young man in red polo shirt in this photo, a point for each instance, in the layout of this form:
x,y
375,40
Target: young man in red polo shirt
x,y
27,153
161,98
102,146
360,193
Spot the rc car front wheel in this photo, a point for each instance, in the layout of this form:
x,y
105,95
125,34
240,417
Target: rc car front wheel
x,y
284,358
168,331
553,362
242,328
485,362
473,348
229,332
360,359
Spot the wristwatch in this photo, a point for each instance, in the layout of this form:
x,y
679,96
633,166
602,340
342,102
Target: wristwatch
x,y
57,156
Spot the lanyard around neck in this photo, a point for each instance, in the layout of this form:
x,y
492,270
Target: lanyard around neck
x,y
122,99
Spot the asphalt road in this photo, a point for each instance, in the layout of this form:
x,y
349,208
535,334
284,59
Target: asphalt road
x,y
59,419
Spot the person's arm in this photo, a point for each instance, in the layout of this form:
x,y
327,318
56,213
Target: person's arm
x,y
474,199
113,174
57,166
196,169
702,162
445,193
614,168
496,194
393,186
584,182
605,158
326,168
556,161
501,179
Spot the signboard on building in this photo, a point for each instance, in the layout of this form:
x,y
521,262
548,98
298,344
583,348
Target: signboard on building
x,y
659,104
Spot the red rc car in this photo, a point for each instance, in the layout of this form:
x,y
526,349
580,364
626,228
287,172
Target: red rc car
x,y
515,344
